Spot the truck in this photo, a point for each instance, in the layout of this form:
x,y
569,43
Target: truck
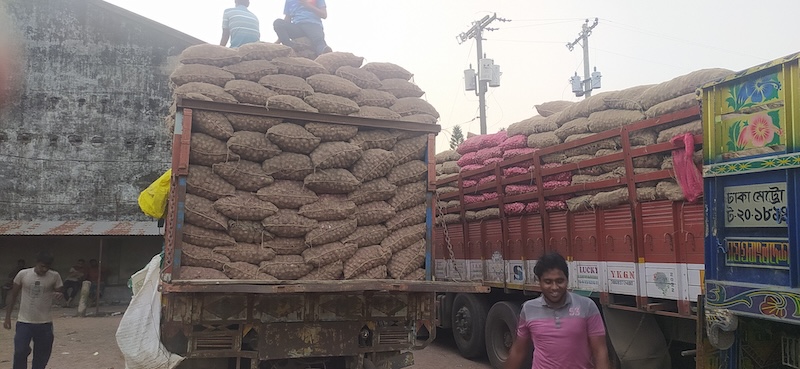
x,y
640,260
752,304
370,323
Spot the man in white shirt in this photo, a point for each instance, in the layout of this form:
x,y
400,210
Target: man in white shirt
x,y
39,286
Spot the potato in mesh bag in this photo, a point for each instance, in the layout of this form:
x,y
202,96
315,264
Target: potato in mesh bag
x,y
420,118
332,132
384,70
192,273
376,98
409,195
243,174
286,267
212,123
376,190
410,149
334,60
374,139
407,260
417,275
253,146
207,150
249,92
401,88
361,78
288,194
245,206
374,164
254,123
329,253
248,252
368,235
335,155
408,217
286,246
412,106
187,73
300,67
334,85
287,223
330,272
263,51
330,231
374,213
203,237
283,84
252,70
200,212
293,138
245,270
365,259
287,102
378,272
289,166
332,181
208,54
374,112
404,237
409,172
213,92
197,256
202,181
332,104
329,207
248,231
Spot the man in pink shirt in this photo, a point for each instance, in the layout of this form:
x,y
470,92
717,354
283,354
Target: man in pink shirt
x,y
566,329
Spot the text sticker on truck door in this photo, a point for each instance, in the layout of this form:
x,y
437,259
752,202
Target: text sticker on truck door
x,y
760,205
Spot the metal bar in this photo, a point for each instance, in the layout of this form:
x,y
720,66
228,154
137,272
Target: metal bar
x,y
99,278
307,116
260,287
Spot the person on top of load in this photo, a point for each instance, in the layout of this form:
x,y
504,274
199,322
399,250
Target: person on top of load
x,y
239,25
303,19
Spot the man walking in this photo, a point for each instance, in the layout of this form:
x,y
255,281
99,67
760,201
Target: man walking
x,y
39,285
239,25
566,329
303,18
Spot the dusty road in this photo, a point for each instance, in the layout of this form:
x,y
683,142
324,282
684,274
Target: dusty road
x,y
90,343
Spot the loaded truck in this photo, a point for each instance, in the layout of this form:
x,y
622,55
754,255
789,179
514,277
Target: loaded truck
x,y
271,322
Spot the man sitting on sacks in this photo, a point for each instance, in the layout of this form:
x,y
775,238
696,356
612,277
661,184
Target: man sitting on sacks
x,y
239,25
303,19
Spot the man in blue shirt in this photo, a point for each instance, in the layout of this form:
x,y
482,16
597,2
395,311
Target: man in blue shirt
x,y
303,18
239,25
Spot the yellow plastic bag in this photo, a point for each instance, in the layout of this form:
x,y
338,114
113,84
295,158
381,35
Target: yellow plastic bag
x,y
153,200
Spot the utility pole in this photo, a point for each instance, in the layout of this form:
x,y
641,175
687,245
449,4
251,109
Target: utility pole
x,y
488,73
590,80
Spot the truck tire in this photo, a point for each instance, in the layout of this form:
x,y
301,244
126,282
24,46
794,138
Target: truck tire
x,y
468,322
501,330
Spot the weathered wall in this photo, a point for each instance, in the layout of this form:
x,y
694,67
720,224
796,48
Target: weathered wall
x,y
87,133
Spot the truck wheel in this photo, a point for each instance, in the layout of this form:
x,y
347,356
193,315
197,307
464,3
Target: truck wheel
x,y
468,321
501,330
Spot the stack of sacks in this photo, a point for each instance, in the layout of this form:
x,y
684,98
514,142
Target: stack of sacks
x,y
274,76
447,167
478,152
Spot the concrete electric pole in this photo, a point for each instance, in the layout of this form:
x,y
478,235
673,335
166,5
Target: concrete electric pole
x,y
584,87
488,73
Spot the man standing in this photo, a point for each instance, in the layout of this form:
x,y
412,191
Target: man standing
x,y
566,329
303,18
239,25
10,283
39,285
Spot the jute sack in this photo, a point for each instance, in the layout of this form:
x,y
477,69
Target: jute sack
x,y
360,77
679,86
197,256
371,97
330,231
252,70
378,272
253,146
413,105
300,67
335,155
573,127
551,107
487,213
409,195
245,206
323,255
248,231
283,84
334,85
248,252
401,88
375,212
186,73
588,149
254,123
245,270
200,212
365,259
449,155
374,112
409,172
286,246
286,267
207,150
408,217
670,106
248,92
293,138
420,118
330,272
206,237
212,123
695,128
448,219
580,203
610,199
374,163
208,54
374,139
192,273
369,235
332,132
602,121
287,223
332,181
289,166
329,207
407,260
244,175
387,70
202,181
334,60
213,92
332,104
627,99
287,194
669,190
535,124
542,140
263,51
376,190
287,102
410,149
404,237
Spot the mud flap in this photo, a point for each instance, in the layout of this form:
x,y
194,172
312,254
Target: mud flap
x,y
637,339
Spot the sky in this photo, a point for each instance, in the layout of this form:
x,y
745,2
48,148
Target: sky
x,y
636,42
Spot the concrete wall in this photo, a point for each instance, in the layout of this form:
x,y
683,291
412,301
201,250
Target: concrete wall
x,y
87,134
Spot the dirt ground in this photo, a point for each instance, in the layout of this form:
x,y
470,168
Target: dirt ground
x,y
90,343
